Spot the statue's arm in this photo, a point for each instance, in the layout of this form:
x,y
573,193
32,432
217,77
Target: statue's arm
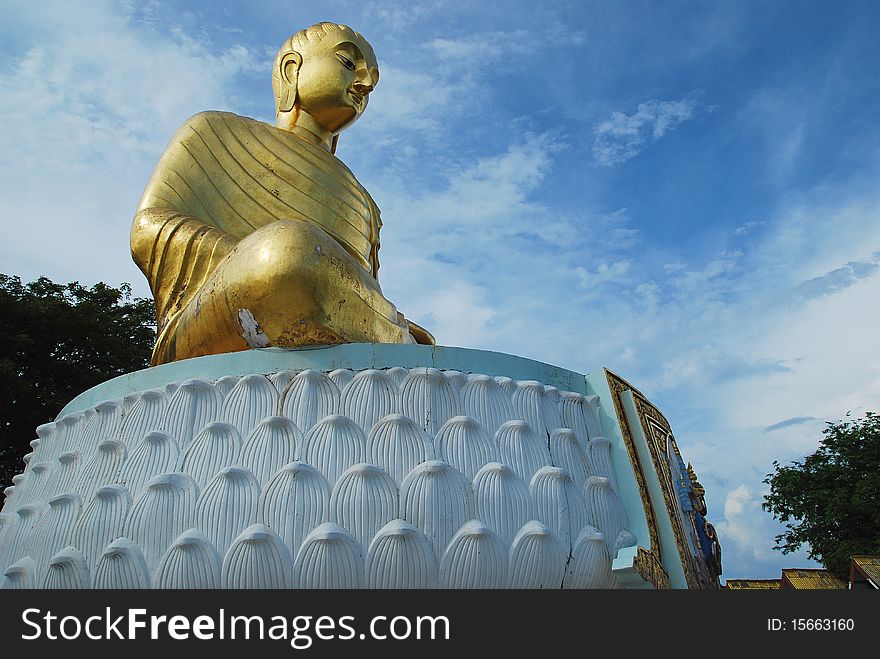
x,y
174,247
375,228
419,333
176,252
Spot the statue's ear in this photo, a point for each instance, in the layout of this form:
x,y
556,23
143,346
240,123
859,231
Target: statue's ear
x,y
289,73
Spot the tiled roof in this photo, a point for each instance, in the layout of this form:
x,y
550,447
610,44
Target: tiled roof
x,y
804,579
753,584
869,566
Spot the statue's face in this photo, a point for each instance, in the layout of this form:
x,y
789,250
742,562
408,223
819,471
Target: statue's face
x,y
335,80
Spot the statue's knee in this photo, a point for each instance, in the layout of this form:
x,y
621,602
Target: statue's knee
x,y
292,235
283,249
296,264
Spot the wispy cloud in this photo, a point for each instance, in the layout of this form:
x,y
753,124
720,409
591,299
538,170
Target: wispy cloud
x,y
624,136
398,15
479,46
839,278
615,272
747,228
473,224
748,532
794,421
779,116
120,86
83,129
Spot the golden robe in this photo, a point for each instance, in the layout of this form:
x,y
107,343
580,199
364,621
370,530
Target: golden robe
x,y
223,178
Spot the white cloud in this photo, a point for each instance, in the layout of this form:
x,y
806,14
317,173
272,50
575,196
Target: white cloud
x,y
482,199
740,349
745,529
840,278
457,310
613,231
428,89
615,272
468,49
88,104
407,102
100,85
398,15
746,228
436,240
779,116
701,282
623,136
832,369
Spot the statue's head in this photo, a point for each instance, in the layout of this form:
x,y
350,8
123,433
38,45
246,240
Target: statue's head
x,y
328,71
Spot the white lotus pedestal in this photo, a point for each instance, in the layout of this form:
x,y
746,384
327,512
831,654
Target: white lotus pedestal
x,y
353,466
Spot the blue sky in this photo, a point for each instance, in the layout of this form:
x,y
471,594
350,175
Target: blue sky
x,y
684,192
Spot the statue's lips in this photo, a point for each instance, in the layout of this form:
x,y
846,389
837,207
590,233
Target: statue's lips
x,y
358,99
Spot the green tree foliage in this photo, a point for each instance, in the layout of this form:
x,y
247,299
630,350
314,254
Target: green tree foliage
x,y
831,500
56,341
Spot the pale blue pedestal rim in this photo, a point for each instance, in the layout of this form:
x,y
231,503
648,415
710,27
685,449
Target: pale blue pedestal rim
x,y
355,356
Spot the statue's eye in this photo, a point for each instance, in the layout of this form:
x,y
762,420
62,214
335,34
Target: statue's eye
x,y
347,63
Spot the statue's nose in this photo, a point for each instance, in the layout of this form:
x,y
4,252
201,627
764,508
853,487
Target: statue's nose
x,y
363,88
365,82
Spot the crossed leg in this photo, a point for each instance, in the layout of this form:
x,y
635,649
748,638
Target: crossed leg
x,y
287,284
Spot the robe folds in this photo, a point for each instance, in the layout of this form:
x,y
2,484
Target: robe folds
x,y
223,177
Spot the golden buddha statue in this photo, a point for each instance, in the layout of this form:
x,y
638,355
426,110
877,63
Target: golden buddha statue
x,y
254,236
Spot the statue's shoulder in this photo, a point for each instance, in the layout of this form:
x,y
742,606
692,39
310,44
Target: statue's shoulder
x,y
217,118
227,126
259,138
198,136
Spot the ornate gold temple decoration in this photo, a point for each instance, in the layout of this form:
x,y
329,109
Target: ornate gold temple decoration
x,y
254,235
618,385
665,458
665,455
699,490
648,566
658,433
